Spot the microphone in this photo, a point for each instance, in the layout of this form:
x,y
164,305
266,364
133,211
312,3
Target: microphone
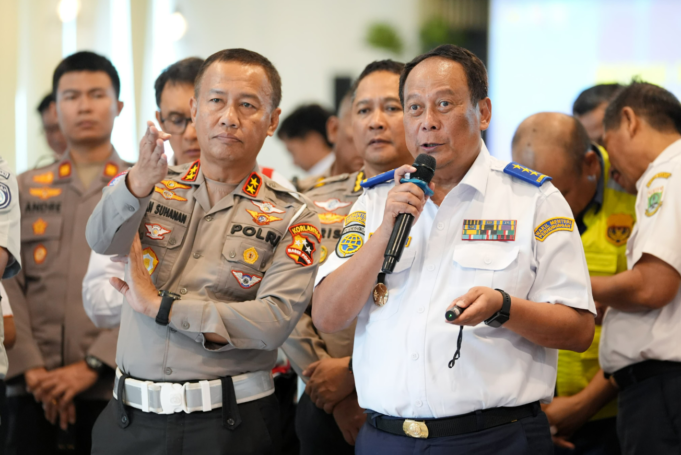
x,y
425,169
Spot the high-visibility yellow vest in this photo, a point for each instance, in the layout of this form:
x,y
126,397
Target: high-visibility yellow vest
x,y
605,241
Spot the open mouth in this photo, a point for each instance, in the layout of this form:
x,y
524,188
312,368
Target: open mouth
x,y
379,142
430,145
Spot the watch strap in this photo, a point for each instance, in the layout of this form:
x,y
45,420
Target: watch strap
x,y
167,300
503,315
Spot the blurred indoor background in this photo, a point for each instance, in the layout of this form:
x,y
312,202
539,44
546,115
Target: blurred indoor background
x,y
540,54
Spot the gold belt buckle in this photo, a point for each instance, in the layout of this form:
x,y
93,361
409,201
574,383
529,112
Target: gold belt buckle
x,y
415,429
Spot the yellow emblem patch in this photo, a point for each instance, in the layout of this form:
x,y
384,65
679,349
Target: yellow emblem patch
x,y
39,226
357,218
620,226
325,253
250,255
659,175
44,193
150,260
358,181
40,254
331,218
46,178
110,170
169,195
263,219
349,244
552,225
173,185
64,170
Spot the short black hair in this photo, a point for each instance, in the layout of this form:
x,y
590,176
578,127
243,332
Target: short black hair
x,y
86,61
247,58
305,119
45,103
182,72
660,108
476,73
388,65
594,96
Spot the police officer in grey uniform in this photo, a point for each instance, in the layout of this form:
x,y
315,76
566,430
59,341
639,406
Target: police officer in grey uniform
x,y
234,256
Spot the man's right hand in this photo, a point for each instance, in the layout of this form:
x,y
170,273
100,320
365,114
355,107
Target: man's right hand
x,y
402,198
34,377
349,418
152,165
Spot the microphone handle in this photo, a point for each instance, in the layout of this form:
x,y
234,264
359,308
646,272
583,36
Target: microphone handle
x,y
398,238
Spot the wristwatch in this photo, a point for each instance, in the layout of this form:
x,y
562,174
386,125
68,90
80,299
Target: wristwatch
x,y
167,300
94,363
500,317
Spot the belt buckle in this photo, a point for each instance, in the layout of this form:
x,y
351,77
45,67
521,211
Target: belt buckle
x,y
415,429
173,398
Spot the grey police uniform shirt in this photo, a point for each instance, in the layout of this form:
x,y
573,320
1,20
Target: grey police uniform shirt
x,y
333,198
10,238
244,269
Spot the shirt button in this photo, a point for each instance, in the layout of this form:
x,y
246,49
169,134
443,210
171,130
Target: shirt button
x,y
418,404
183,291
414,356
197,255
232,254
185,325
421,309
487,259
168,371
172,330
131,208
440,226
209,218
430,268
171,241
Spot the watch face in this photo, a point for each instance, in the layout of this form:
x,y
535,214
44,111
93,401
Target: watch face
x,y
93,363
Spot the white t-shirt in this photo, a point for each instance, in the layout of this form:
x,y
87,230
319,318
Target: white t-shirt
x,y
629,338
402,350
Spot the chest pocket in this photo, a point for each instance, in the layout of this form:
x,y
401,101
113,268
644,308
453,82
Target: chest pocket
x,y
165,239
489,265
601,263
41,238
397,284
244,263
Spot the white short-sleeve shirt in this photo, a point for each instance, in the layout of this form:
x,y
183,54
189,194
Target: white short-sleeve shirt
x,y
402,349
629,338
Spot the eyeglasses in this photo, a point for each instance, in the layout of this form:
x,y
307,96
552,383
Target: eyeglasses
x,y
175,124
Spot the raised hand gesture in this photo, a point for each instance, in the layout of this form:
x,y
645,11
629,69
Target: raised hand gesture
x,y
152,165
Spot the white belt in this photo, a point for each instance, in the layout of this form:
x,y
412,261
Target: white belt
x,y
169,397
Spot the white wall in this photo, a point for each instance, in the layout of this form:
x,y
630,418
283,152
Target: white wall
x,y
309,41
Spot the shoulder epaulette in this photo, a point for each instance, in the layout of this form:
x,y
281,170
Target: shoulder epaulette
x,y
378,179
526,174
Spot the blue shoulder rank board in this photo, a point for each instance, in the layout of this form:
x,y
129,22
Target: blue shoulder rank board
x,y
378,179
526,174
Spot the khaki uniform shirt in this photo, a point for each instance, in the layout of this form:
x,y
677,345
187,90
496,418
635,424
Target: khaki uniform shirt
x,y
333,198
9,238
52,327
244,269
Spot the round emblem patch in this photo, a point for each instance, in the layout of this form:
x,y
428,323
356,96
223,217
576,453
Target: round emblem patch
x,y
5,196
251,255
39,254
349,244
620,226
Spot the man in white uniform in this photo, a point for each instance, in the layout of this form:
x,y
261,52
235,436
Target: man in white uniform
x,y
641,340
496,239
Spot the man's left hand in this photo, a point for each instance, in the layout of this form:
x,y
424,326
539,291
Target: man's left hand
x,y
349,418
63,384
139,290
567,415
480,304
330,382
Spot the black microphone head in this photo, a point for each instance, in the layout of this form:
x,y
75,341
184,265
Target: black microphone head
x,y
425,168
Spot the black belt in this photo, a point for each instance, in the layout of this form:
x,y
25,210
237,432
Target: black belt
x,y
639,372
452,426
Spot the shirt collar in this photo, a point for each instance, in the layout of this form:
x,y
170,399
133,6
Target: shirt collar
x,y
477,175
672,150
322,166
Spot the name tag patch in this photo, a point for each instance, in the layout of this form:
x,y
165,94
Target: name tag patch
x,y
552,225
489,230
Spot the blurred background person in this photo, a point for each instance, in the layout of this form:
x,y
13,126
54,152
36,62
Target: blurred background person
x,y
640,345
584,411
347,158
61,367
55,138
303,132
589,108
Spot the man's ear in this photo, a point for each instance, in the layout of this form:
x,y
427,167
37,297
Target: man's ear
x,y
119,106
158,119
274,122
332,125
193,108
485,108
591,164
630,120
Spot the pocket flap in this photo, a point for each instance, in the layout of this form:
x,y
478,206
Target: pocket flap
x,y
485,256
41,228
252,254
405,261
